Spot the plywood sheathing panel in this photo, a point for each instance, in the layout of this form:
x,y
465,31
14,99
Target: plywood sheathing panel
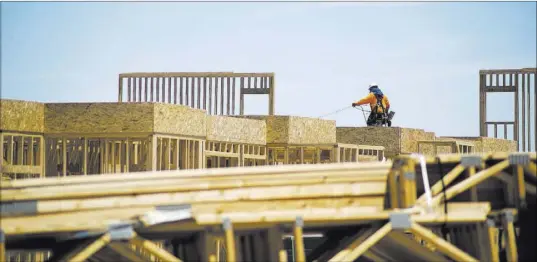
x,y
487,144
179,120
298,130
277,128
98,117
388,137
396,140
24,116
239,130
304,130
428,149
410,138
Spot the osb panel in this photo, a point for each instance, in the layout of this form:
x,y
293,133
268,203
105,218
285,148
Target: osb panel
x,y
304,130
277,128
487,144
232,129
179,120
388,137
98,117
18,115
410,137
428,149
298,130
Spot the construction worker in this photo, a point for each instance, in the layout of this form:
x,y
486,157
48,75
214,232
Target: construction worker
x,y
379,104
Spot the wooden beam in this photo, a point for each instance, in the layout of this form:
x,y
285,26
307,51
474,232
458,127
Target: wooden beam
x,y
154,249
470,182
126,252
362,244
88,251
229,240
64,156
442,245
300,255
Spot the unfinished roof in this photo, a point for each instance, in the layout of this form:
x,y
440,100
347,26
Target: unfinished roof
x,y
24,116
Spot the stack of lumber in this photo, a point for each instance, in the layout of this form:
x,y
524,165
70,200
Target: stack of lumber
x,y
55,206
369,210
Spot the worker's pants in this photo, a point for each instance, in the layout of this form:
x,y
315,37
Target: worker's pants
x,y
372,119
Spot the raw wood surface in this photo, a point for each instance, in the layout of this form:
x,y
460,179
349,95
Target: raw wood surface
x,y
179,120
388,137
180,185
298,130
409,138
239,130
98,117
488,144
24,116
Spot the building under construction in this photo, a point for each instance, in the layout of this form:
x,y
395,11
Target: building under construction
x,y
64,199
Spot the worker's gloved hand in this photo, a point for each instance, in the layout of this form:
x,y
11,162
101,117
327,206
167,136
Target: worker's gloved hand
x,y
354,104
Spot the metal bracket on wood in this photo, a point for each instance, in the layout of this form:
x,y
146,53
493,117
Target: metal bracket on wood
x,y
471,161
18,208
491,222
168,213
508,216
226,223
519,159
120,231
400,220
299,221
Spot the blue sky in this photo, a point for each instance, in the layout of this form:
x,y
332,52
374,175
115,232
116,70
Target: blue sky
x,y
424,56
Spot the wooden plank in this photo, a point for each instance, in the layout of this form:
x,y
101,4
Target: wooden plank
x,y
228,98
529,110
210,95
271,96
482,105
129,82
152,88
134,89
120,89
187,91
192,92
146,89
128,157
64,156
241,96
222,84
217,85
265,171
181,91
205,93
233,89
198,105
140,89
157,90
21,169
